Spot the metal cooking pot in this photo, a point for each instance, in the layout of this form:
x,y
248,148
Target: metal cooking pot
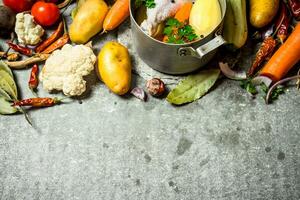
x,y
176,58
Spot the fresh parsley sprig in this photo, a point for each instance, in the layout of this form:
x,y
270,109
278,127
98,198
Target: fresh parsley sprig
x,y
147,3
179,32
253,90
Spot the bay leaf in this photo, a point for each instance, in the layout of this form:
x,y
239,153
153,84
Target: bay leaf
x,y
193,87
4,67
6,108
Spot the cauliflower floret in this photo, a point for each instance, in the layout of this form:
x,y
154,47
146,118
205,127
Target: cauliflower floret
x,y
27,30
74,85
163,9
65,68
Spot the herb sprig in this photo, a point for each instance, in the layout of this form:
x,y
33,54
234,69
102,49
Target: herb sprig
x,y
147,3
179,32
253,90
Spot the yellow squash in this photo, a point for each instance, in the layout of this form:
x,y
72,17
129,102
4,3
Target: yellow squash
x,y
114,66
205,16
88,21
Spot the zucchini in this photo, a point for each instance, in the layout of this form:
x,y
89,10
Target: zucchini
x,y
235,23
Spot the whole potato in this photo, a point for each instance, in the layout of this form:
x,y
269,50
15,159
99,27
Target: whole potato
x,y
88,21
7,20
114,66
262,12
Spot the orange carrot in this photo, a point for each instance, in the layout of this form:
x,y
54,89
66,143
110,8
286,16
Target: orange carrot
x,y
284,58
116,15
182,15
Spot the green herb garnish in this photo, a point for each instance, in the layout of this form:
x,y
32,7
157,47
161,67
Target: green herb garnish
x,y
253,90
179,32
147,3
249,87
276,92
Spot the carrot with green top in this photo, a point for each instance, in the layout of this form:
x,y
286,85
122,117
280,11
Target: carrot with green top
x,y
284,58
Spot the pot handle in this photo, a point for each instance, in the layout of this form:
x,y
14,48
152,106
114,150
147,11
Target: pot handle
x,y
203,50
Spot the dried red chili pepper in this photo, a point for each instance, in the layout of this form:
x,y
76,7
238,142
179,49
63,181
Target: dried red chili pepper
x,y
282,23
57,44
23,50
266,49
54,36
295,8
37,102
33,80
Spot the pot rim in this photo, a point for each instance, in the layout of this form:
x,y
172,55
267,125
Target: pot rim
x,y
131,5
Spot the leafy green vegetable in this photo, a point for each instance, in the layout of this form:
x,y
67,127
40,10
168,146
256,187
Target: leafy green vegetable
x,y
6,108
147,3
178,32
193,87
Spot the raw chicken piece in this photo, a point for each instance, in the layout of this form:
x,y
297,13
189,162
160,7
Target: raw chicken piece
x,y
163,10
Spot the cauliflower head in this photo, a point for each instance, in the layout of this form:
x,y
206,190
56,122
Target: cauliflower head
x,y
27,30
64,69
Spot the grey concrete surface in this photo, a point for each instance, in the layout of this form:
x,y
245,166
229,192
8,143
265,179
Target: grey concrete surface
x,y
224,146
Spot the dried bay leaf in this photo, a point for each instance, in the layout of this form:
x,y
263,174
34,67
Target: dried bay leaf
x,y
193,87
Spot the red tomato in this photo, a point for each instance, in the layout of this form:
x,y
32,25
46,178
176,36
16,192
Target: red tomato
x,y
19,5
45,14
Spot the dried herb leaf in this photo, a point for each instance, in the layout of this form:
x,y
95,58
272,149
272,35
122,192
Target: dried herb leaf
x,y
6,108
193,87
8,84
4,67
4,94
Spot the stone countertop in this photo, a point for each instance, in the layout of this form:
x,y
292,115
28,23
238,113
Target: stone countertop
x,y
223,146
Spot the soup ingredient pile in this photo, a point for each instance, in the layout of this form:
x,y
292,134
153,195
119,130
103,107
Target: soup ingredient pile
x,y
36,36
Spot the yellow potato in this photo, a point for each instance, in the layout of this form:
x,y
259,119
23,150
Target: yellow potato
x,y
88,21
114,66
262,12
